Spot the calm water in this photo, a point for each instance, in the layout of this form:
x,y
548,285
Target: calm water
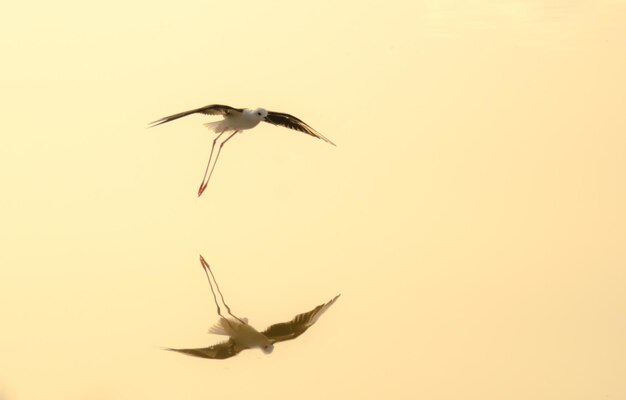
x,y
471,215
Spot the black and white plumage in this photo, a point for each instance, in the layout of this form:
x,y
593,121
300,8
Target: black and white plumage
x,y
279,332
236,120
242,335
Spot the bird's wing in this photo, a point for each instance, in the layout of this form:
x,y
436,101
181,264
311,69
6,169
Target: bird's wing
x,y
213,109
218,351
297,326
291,122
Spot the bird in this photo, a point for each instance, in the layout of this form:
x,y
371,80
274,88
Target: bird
x,y
236,120
242,336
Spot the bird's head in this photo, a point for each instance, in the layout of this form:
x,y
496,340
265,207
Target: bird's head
x,y
267,348
260,113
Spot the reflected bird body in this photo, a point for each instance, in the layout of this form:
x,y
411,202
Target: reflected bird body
x,y
237,120
242,336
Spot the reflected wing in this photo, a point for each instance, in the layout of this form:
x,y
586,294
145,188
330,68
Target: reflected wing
x,y
298,325
291,122
213,109
218,351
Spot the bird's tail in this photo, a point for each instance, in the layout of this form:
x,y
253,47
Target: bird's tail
x,y
225,327
220,328
216,126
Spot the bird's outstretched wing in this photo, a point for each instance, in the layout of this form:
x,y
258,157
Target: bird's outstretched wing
x,y
213,109
291,122
218,351
297,326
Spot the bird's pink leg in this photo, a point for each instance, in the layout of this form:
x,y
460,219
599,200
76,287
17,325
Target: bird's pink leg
x,y
212,291
207,270
205,180
202,185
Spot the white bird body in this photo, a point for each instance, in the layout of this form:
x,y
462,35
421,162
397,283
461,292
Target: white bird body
x,y
244,335
245,120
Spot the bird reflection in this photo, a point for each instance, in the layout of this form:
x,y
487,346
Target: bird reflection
x,y
242,336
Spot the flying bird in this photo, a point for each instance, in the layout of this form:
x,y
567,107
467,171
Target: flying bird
x,y
237,120
242,336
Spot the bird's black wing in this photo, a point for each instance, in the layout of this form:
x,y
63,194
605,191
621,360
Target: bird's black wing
x,y
213,109
291,122
218,351
297,326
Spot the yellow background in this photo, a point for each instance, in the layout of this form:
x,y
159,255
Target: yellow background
x,y
472,215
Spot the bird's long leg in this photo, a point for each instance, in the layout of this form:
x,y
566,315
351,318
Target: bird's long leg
x,y
210,284
221,295
203,185
207,271
205,182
